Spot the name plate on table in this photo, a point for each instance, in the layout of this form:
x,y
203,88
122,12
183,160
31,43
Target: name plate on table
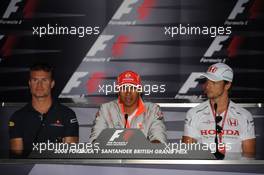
x,y
122,144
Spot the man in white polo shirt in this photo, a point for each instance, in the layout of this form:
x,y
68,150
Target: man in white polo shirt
x,y
220,121
129,111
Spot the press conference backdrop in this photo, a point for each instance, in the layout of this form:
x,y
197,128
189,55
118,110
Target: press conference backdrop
x,y
168,42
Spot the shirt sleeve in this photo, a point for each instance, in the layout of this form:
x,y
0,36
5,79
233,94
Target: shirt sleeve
x,y
71,125
248,131
190,129
157,129
15,126
99,124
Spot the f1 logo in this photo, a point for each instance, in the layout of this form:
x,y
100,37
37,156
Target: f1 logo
x,y
124,9
74,81
99,44
237,9
116,135
11,8
190,82
215,46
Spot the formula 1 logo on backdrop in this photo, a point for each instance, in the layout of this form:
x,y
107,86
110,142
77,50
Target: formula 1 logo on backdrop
x,y
73,84
10,41
215,47
189,84
12,16
107,47
234,18
131,11
244,10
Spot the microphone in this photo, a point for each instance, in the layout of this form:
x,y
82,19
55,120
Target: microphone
x,y
126,116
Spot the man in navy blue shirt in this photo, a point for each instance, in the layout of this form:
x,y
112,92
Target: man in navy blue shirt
x,y
43,119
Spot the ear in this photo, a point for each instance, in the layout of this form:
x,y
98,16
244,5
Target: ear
x,y
228,86
52,84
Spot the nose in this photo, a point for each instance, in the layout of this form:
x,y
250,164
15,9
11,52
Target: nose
x,y
39,83
208,84
128,92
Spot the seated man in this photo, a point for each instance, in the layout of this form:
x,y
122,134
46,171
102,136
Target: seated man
x,y
129,111
43,118
218,120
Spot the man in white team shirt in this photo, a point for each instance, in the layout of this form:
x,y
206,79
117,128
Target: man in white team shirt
x,y
129,111
218,120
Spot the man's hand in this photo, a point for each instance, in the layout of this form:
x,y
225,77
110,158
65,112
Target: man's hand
x,y
16,146
187,139
249,148
70,139
155,141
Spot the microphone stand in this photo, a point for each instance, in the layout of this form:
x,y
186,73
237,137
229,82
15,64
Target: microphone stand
x,y
218,155
126,117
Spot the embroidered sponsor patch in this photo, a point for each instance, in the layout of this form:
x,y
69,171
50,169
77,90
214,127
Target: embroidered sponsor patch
x,y
11,124
232,122
57,123
74,120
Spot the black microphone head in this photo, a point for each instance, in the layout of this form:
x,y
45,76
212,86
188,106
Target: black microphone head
x,y
126,116
218,119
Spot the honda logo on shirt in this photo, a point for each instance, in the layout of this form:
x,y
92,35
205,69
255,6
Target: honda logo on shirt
x,y
232,122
